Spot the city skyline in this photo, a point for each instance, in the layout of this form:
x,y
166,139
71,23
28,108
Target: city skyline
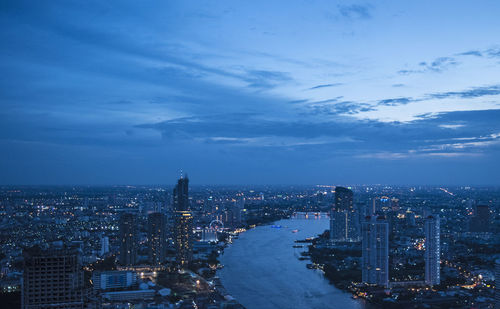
x,y
286,93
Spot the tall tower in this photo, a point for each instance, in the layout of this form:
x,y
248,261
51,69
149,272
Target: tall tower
x,y
52,279
128,239
343,218
183,223
156,237
104,245
375,251
432,250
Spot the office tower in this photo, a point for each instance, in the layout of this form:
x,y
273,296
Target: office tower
x,y
183,223
375,251
104,245
344,222
432,250
497,284
481,221
128,239
156,237
52,279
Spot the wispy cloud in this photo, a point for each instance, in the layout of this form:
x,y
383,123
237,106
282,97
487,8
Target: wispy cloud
x,y
476,53
438,65
355,11
325,86
469,93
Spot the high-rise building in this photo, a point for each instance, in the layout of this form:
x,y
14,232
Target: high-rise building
x,y
128,239
156,237
343,199
183,223
375,251
52,279
481,221
104,245
432,250
344,221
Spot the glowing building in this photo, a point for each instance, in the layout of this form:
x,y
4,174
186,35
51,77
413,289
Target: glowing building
x,y
183,223
432,250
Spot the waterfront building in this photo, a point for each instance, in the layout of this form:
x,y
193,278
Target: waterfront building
x,y
52,279
128,239
375,251
432,250
183,223
156,237
344,219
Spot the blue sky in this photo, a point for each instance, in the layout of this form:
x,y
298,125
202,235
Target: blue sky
x,y
250,92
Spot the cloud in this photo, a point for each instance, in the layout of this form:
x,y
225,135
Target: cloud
x,y
469,93
493,52
355,11
325,86
266,79
395,101
476,53
451,126
438,65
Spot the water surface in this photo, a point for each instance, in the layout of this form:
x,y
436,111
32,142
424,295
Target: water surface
x,y
262,270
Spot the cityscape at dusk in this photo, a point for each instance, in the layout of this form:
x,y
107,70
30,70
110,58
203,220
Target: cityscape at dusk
x,y
249,154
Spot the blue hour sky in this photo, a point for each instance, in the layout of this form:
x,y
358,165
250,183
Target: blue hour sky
x,y
250,92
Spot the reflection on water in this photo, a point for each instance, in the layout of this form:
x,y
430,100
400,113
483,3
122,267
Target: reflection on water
x,y
262,269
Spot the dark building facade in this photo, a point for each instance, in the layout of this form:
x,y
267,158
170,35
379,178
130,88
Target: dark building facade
x,y
128,239
344,199
344,219
183,223
481,221
52,279
157,237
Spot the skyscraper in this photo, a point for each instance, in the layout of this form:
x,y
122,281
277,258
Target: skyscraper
x,y
156,237
343,199
128,239
344,223
432,250
183,223
375,251
52,279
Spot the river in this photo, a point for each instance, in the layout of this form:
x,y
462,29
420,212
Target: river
x,y
262,269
